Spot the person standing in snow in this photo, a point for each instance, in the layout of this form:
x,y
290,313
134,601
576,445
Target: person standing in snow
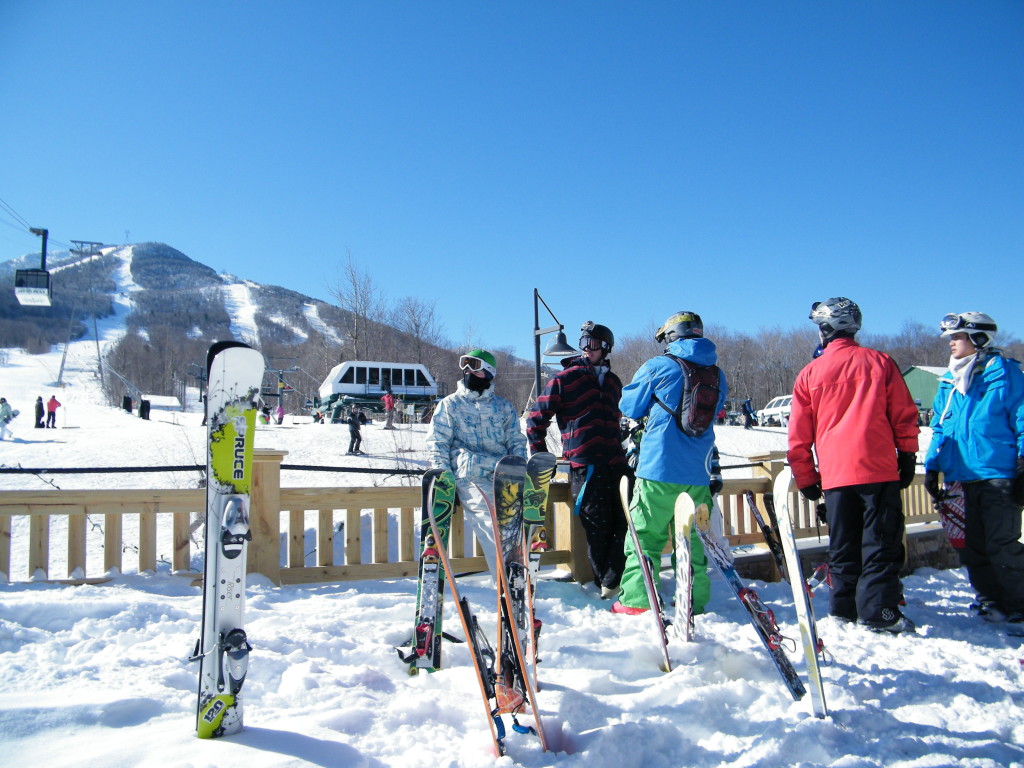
x,y
471,430
355,437
978,441
584,400
853,410
40,413
672,461
51,412
389,409
748,414
6,414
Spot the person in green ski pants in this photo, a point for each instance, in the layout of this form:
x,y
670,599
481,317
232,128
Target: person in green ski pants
x,y
672,460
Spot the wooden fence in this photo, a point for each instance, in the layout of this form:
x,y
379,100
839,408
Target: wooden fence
x,y
279,549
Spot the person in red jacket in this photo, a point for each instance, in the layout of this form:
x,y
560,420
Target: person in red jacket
x,y
853,408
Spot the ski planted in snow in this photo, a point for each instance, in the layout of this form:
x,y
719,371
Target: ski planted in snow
x,y
514,688
770,531
683,525
661,623
441,490
539,470
812,646
234,378
761,617
439,496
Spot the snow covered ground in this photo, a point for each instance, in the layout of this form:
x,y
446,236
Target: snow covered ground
x,y
97,675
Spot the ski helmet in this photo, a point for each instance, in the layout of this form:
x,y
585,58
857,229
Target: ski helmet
x,y
602,334
979,327
834,317
680,325
479,360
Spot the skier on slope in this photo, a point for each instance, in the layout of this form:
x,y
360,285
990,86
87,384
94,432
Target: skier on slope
x,y
853,408
51,412
671,461
472,429
355,438
978,440
584,399
6,414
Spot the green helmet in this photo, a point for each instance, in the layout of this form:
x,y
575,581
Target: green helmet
x,y
479,359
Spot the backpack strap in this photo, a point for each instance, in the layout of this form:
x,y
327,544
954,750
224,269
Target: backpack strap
x,y
677,411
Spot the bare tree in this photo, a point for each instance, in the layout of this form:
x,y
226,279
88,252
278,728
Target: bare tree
x,y
357,294
419,321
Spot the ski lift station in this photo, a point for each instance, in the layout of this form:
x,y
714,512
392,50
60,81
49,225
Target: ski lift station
x,y
364,382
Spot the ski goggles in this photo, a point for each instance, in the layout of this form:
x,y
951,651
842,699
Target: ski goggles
x,y
469,363
951,322
588,343
954,322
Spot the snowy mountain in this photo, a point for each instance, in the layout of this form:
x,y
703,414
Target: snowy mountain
x,y
168,288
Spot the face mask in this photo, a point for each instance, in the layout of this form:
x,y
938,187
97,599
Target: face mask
x,y
475,383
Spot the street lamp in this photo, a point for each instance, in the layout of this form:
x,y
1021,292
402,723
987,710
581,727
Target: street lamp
x,y
558,348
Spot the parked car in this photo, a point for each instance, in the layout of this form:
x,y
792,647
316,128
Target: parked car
x,y
776,413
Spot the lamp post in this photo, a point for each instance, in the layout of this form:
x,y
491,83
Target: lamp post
x,y
558,348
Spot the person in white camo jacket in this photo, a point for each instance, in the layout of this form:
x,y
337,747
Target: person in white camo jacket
x,y
471,430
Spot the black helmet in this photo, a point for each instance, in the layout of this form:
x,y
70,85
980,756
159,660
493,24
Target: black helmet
x,y
601,333
680,325
837,316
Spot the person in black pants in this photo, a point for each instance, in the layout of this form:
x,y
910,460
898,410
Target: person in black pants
x,y
584,399
355,438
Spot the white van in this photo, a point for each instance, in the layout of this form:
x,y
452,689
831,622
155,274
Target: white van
x,y
776,413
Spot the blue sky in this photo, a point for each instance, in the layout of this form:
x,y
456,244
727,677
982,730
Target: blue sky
x,y
628,159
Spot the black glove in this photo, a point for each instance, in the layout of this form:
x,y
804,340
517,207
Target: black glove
x,y
812,492
1018,483
931,484
715,476
907,463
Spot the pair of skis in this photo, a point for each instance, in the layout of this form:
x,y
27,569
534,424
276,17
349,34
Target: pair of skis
x,y
438,499
506,686
686,516
234,375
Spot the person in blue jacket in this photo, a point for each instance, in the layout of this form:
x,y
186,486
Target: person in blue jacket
x,y
671,461
978,440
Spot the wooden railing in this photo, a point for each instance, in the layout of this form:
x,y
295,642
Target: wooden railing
x,y
386,516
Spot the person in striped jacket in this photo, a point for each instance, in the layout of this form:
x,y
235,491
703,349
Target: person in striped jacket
x,y
584,401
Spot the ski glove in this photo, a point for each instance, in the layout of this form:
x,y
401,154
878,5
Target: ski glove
x,y
931,484
1018,483
715,483
907,463
812,492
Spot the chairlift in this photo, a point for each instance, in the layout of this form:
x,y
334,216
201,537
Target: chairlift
x,y
32,286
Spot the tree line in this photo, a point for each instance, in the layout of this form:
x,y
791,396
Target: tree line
x,y
181,312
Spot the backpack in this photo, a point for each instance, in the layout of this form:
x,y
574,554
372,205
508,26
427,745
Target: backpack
x,y
701,390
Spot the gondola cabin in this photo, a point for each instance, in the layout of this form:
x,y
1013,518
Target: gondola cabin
x,y
32,287
363,383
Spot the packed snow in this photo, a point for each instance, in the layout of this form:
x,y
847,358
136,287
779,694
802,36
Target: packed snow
x,y
97,675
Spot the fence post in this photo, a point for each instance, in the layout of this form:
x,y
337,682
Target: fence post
x,y
569,534
265,514
771,464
